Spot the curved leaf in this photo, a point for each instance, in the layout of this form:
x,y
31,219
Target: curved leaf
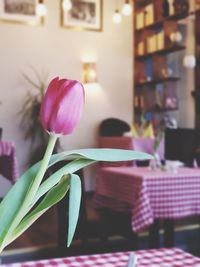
x,y
71,167
12,202
53,196
102,154
74,205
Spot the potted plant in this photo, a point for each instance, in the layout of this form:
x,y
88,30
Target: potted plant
x,y
29,113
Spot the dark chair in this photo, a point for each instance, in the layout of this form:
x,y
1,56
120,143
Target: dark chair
x,y
181,144
113,127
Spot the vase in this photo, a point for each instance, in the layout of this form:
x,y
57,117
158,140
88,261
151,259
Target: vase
x,y
155,162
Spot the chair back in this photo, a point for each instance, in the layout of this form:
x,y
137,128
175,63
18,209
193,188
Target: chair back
x,y
113,127
180,144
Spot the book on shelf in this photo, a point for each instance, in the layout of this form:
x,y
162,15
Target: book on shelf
x,y
151,44
171,7
149,69
140,20
140,48
149,14
160,40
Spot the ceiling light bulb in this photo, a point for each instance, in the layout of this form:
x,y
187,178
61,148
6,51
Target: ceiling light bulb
x,y
117,18
66,5
41,9
127,8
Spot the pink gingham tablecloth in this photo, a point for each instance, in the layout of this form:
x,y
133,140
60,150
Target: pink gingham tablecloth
x,y
150,194
145,258
8,161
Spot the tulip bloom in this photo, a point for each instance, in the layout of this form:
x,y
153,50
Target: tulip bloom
x,y
62,106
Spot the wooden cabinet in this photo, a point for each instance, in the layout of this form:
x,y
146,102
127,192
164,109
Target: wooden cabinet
x,y
156,36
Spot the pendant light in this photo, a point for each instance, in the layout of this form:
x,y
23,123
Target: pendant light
x,y
66,5
117,17
189,61
41,9
127,8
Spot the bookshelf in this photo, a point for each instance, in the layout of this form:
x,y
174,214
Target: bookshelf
x,y
156,36
155,82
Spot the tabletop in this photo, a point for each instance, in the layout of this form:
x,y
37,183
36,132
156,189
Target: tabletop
x,y
150,194
145,258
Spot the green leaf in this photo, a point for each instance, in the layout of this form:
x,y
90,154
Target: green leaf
x,y
74,205
71,167
104,154
12,202
52,197
92,156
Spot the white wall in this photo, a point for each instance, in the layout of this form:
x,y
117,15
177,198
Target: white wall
x,y
59,51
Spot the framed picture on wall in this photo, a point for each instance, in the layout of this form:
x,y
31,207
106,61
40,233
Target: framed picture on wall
x,y
83,15
20,11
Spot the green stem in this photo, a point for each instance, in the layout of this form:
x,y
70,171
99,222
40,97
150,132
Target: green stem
x,y
43,167
26,205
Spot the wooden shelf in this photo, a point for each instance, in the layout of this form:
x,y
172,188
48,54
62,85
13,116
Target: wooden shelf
x,y
163,51
162,110
155,82
144,2
148,94
155,110
159,23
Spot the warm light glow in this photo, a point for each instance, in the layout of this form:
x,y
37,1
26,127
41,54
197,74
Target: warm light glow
x,y
176,37
127,8
89,74
89,56
41,9
117,18
66,5
189,61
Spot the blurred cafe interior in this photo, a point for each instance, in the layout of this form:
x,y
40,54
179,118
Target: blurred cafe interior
x,y
139,64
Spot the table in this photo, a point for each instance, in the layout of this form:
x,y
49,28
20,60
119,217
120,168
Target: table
x,y
151,194
145,258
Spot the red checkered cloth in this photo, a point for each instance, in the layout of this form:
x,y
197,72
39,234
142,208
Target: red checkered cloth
x,y
8,161
144,258
151,194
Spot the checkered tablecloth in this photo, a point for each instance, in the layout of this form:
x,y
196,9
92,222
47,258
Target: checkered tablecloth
x,y
150,194
8,161
145,258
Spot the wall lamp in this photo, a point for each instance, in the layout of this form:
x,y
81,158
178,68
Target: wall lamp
x,y
89,73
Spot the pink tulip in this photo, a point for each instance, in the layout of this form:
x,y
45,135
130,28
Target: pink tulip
x,y
62,106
